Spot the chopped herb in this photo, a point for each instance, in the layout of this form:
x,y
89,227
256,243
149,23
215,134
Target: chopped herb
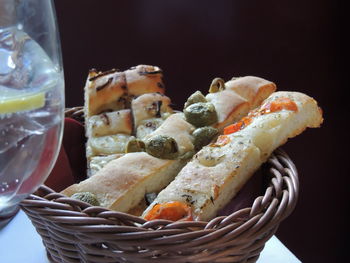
x,y
212,199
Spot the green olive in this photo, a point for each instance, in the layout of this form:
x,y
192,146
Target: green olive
x,y
135,145
201,114
194,98
86,197
162,146
216,85
203,136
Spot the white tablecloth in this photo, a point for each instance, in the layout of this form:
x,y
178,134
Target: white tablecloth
x,y
20,243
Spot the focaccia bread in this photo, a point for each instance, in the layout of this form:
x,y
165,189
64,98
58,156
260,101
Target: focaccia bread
x,y
104,91
113,89
149,110
144,79
251,88
109,123
171,138
122,183
98,162
218,171
246,92
114,105
176,127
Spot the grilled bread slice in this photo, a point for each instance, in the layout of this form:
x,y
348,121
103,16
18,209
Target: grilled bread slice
x,y
144,79
109,117
104,91
113,89
109,123
218,171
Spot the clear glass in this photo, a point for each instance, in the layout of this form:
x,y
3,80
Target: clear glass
x,y
31,98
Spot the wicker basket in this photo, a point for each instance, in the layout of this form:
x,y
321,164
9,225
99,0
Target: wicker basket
x,y
73,231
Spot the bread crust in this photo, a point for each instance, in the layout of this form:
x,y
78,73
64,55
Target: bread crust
x,y
251,88
179,129
110,123
144,79
112,185
113,90
104,92
239,96
148,106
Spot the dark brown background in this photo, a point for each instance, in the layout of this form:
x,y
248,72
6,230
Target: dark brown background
x,y
297,44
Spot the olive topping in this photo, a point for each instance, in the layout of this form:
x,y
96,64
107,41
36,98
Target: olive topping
x,y
216,85
162,146
86,197
135,145
194,98
201,114
203,136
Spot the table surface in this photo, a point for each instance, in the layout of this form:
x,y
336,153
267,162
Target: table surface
x,y
19,242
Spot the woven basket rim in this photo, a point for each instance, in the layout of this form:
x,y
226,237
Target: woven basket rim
x,y
45,196
238,237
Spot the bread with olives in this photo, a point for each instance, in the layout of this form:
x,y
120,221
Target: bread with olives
x,y
218,171
173,138
233,99
110,133
116,110
124,181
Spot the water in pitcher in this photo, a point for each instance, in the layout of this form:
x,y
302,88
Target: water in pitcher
x,y
31,112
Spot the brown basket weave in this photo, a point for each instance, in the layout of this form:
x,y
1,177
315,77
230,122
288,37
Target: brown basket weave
x,y
73,231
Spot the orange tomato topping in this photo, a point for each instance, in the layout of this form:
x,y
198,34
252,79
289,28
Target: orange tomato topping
x,y
237,126
174,211
221,141
276,105
280,104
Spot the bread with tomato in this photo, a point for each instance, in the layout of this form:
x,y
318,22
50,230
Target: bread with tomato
x,y
218,171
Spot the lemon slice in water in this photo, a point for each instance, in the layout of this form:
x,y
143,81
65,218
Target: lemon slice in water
x,y
21,102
